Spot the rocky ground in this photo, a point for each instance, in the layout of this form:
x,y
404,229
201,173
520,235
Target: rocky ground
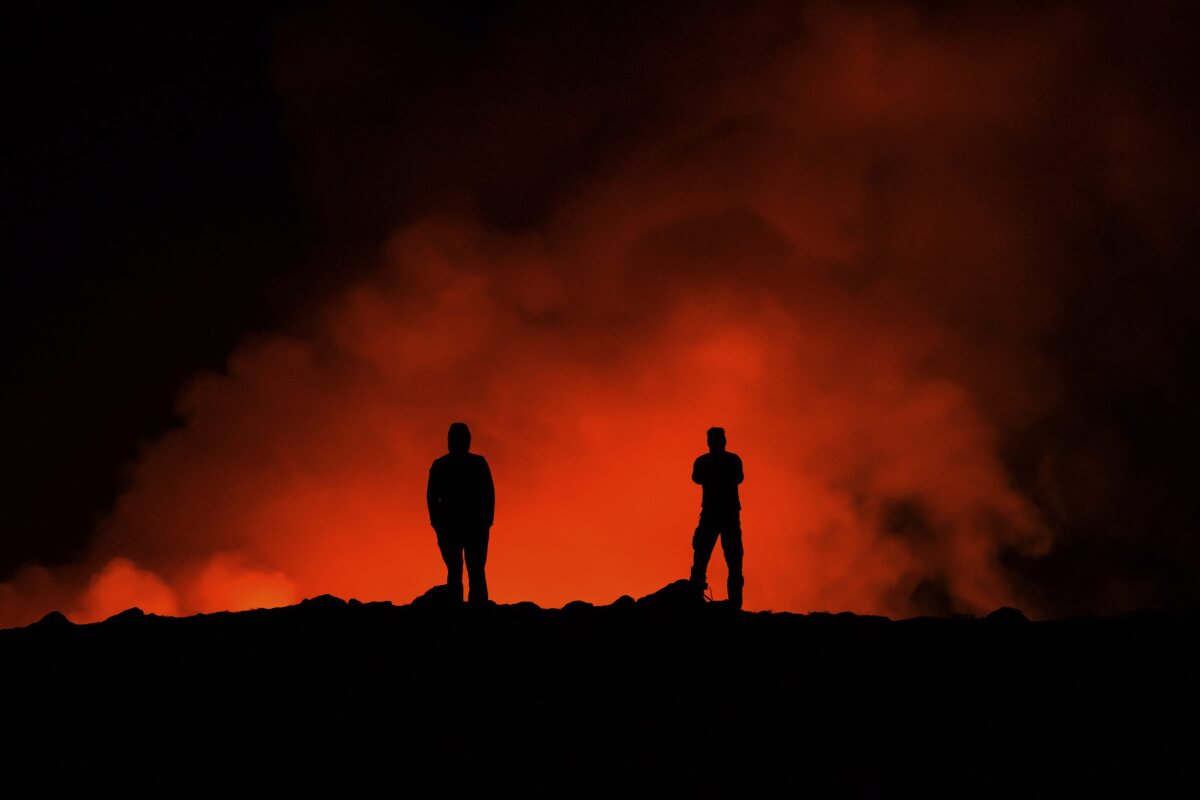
x,y
663,695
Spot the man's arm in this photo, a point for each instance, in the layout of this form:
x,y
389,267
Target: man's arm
x,y
433,496
489,493
697,471
740,475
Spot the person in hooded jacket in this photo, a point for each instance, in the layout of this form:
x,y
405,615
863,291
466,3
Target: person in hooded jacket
x,y
462,504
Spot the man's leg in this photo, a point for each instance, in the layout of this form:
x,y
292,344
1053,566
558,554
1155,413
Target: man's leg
x,y
703,542
450,545
731,545
476,554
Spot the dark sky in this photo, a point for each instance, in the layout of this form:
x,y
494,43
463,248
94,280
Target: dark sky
x,y
158,210
152,220
177,179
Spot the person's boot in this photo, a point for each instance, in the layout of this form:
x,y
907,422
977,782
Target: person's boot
x,y
699,582
735,591
478,596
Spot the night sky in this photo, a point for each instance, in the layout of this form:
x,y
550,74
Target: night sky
x,y
933,266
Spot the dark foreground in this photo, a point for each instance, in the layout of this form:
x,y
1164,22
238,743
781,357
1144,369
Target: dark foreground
x,y
654,697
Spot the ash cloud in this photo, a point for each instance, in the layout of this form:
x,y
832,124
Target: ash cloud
x,y
930,267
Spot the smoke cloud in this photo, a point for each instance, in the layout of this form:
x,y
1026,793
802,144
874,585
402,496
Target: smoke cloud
x,y
912,260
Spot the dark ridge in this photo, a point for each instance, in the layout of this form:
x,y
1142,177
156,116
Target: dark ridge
x,y
1007,616
666,694
126,617
55,620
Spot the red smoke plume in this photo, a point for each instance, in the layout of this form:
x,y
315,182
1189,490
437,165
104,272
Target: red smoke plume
x,y
836,239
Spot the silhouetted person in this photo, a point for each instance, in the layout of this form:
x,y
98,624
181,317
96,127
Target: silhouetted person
x,y
462,503
719,473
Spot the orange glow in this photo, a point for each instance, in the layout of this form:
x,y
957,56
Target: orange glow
x,y
121,585
720,276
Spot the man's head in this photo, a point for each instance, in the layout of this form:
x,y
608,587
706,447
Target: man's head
x,y
459,437
716,440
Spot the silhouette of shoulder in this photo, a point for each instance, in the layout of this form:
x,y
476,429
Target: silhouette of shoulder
x,y
717,466
458,461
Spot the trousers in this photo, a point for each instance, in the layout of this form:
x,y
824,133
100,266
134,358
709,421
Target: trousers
x,y
470,544
727,526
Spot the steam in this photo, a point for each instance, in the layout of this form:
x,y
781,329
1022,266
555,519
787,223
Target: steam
x,y
833,240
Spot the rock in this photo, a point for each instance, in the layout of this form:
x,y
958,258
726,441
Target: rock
x,y
525,607
440,596
128,615
1007,616
55,620
578,605
678,596
323,602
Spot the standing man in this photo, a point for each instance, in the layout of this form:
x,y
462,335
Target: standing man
x,y
462,503
719,473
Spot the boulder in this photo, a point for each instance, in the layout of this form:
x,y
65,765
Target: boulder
x,y
680,595
54,621
128,615
576,606
1007,615
323,602
438,597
